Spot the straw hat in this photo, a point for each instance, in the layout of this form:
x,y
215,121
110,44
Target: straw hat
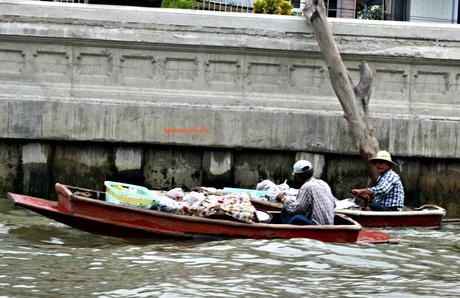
x,y
383,156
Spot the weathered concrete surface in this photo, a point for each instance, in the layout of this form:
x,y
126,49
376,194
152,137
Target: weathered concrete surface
x,y
346,173
104,73
426,181
253,167
9,167
440,189
82,164
128,165
230,99
35,169
168,168
217,168
128,158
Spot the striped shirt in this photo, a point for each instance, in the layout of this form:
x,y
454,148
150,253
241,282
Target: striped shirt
x,y
314,200
389,191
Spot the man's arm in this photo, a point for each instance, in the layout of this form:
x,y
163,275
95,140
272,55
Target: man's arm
x,y
298,204
384,185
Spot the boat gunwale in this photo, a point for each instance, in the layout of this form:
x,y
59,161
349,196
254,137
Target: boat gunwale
x,y
197,219
438,211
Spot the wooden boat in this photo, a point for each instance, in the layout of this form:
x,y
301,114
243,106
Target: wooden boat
x,y
87,210
430,216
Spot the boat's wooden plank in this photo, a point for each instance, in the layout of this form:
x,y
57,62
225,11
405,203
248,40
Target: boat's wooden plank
x,y
451,221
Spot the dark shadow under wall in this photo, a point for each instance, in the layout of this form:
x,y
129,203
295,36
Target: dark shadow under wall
x,y
88,165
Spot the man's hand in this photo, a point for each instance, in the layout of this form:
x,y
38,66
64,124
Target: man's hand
x,y
279,197
363,193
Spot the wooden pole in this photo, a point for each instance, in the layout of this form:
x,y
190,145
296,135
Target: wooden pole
x,y
353,99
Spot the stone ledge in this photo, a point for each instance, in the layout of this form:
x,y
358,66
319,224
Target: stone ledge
x,y
234,30
275,103
208,19
220,127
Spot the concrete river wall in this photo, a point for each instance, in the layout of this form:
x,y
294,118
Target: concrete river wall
x,y
181,98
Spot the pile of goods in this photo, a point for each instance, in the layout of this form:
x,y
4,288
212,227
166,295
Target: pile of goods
x,y
204,202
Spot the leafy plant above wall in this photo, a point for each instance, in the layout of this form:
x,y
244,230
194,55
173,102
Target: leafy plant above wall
x,y
371,13
283,7
184,4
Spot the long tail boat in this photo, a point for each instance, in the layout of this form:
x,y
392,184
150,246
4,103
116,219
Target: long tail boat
x,y
429,216
89,211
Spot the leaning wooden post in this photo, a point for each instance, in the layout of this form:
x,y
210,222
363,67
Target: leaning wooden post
x,y
353,99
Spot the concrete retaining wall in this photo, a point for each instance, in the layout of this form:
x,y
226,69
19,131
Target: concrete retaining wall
x,y
168,88
426,181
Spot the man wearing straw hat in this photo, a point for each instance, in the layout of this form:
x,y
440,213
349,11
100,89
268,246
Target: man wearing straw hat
x,y
388,193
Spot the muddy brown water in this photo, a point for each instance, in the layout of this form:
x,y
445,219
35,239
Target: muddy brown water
x,y
43,258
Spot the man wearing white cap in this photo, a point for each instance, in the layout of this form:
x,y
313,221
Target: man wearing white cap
x,y
314,203
388,193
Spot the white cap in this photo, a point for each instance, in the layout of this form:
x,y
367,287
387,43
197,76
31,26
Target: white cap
x,y
301,166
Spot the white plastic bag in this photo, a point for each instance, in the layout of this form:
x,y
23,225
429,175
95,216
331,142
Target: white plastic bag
x,y
265,185
165,203
345,203
193,199
175,193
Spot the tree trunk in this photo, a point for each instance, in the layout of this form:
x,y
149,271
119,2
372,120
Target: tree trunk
x,y
353,99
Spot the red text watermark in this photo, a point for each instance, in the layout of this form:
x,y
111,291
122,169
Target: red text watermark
x,y
186,130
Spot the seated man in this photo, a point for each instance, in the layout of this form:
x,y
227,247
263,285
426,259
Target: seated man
x,y
388,193
314,203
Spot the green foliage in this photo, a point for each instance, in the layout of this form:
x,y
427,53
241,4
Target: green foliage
x,y
373,13
258,6
283,7
183,4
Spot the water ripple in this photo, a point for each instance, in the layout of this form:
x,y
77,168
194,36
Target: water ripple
x,y
39,258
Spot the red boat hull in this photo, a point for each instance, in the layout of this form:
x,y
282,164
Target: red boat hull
x,y
376,219
98,216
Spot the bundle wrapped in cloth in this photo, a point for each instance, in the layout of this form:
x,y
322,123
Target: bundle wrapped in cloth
x,y
205,202
237,206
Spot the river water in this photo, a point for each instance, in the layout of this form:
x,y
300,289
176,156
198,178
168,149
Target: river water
x,y
43,258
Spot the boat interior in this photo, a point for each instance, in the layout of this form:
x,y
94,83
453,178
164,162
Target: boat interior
x,y
273,217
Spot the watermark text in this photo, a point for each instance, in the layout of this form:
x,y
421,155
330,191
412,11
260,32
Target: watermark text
x,y
186,130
